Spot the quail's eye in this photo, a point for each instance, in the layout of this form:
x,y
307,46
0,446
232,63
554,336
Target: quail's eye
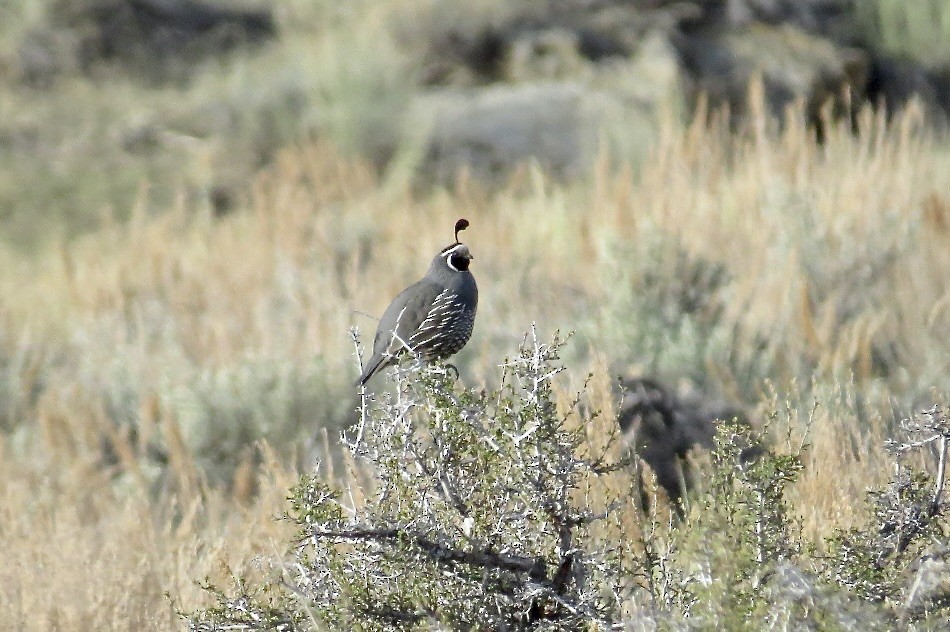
x,y
458,262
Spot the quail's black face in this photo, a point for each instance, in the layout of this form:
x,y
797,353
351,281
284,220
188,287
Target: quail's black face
x,y
457,257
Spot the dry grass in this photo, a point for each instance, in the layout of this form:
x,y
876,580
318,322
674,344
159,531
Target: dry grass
x,y
83,553
78,148
192,337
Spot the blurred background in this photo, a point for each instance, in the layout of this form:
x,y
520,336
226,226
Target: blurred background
x,y
746,199
109,106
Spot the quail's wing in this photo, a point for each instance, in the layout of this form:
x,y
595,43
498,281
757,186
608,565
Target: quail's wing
x,y
404,316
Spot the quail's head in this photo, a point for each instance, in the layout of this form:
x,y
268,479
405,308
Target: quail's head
x,y
457,256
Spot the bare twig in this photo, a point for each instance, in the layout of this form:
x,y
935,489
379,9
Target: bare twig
x,y
535,567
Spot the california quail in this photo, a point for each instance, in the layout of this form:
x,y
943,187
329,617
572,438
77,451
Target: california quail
x,y
433,317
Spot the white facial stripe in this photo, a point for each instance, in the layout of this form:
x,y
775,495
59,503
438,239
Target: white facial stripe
x,y
448,255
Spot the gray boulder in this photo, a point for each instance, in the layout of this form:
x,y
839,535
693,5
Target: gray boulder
x,y
793,66
556,123
157,39
894,82
491,130
662,428
824,17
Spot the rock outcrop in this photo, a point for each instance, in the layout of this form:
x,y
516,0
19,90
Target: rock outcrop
x,y
662,428
154,38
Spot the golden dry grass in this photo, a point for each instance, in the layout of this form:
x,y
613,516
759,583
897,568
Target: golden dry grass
x,y
145,335
81,553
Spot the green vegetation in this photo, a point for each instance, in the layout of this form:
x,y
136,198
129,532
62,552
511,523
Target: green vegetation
x,y
920,30
180,264
81,145
503,509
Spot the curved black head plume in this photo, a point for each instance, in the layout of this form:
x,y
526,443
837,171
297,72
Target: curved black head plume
x,y
460,225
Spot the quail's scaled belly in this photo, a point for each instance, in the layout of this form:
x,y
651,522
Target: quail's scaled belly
x,y
446,328
456,337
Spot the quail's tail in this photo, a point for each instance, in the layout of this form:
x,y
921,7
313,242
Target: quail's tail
x,y
375,364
